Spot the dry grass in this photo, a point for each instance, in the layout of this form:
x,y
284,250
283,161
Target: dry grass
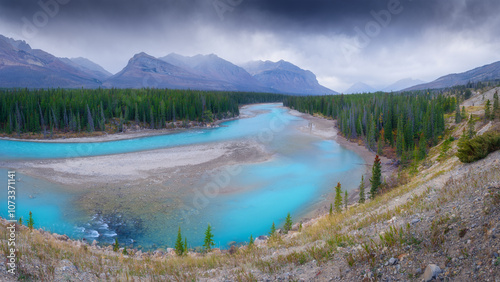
x,y
406,197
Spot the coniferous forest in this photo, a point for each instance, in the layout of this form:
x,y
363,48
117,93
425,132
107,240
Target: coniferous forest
x,y
62,110
408,123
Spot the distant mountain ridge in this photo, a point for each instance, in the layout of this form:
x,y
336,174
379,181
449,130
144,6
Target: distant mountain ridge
x,y
402,84
21,66
484,73
360,87
285,77
229,75
88,66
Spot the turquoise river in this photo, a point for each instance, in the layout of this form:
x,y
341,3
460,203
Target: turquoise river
x,y
297,178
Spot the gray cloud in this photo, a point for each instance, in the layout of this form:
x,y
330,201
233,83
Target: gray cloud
x,y
425,39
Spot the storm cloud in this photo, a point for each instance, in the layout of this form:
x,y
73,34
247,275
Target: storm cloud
x,y
342,42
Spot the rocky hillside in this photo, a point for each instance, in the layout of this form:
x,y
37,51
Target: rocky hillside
x,y
285,77
438,220
485,73
21,66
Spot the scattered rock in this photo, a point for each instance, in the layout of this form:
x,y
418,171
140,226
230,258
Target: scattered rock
x,y
431,271
61,237
393,261
261,240
416,220
233,250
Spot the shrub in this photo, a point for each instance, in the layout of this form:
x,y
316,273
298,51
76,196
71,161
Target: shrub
x,y
478,147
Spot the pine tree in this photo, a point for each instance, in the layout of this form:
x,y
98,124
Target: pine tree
x,y
376,177
496,106
288,223
251,241
400,138
464,113
209,239
372,128
125,251
20,221
345,200
273,230
30,223
467,94
179,247
458,114
362,190
487,110
380,143
90,120
471,128
338,198
331,209
116,245
422,147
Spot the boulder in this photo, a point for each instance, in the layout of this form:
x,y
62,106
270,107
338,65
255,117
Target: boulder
x,y
233,250
431,271
61,237
158,253
260,240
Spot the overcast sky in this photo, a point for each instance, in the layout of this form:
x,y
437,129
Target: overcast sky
x,y
342,42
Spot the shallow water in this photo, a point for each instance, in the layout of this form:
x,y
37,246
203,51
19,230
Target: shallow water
x,y
303,170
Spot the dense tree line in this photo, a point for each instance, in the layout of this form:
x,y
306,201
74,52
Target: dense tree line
x,y
42,111
408,122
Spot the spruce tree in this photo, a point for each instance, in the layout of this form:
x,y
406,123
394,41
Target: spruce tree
x,y
273,230
345,200
331,209
30,223
496,106
400,138
251,241
179,247
471,128
380,143
362,190
487,111
288,223
458,114
376,177
116,245
338,198
185,245
422,147
209,239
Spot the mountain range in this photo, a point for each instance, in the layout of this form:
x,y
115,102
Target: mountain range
x,y
488,72
21,66
360,87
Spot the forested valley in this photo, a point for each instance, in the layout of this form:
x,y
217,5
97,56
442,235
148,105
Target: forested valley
x,y
83,110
